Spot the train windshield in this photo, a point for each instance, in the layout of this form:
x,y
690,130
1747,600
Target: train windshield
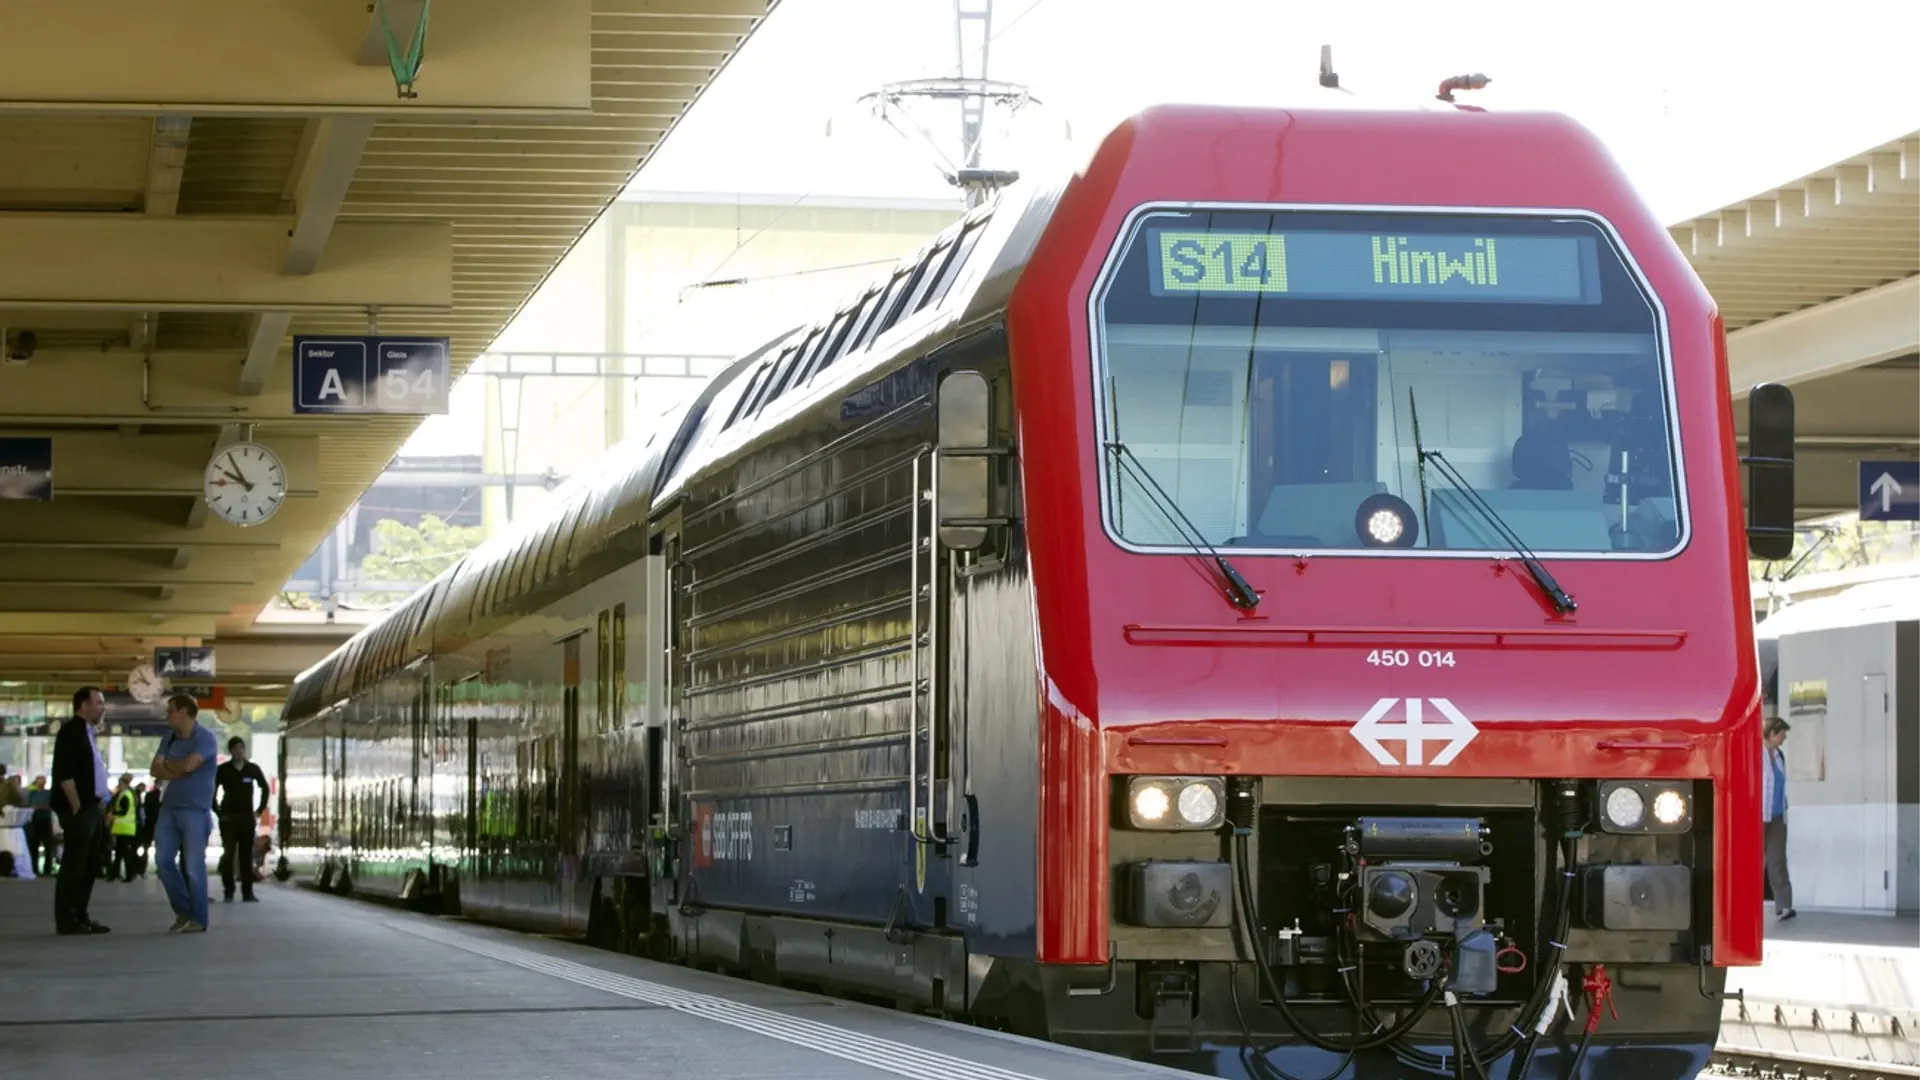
x,y
1277,372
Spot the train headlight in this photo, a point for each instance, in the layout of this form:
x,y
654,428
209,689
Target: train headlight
x,y
1646,806
1626,808
1385,520
1174,802
1669,807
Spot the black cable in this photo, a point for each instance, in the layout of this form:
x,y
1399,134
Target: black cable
x,y
1552,946
1580,1054
1463,1043
1553,930
1277,992
1255,1059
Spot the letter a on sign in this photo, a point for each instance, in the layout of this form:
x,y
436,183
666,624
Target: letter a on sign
x,y
1416,731
331,386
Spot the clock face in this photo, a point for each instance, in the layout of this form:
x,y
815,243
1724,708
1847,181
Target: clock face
x,y
245,484
144,684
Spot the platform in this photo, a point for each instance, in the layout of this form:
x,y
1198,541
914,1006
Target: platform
x,y
1842,986
303,985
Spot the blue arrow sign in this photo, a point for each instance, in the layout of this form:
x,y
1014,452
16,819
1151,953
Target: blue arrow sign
x,y
1890,491
374,375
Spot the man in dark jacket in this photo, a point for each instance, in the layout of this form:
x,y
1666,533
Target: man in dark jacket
x,y
79,785
241,798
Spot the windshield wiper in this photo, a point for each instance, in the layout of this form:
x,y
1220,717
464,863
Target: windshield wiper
x,y
1239,593
1563,603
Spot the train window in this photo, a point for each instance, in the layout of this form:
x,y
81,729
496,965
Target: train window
x,y
951,272
495,589
830,345
869,312
619,665
426,604
543,555
603,685
762,392
517,570
923,281
792,361
747,395
1273,372
883,311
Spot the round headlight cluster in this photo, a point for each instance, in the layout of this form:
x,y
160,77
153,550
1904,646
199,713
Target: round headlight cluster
x,y
1625,808
1385,520
1646,806
1150,804
1669,808
1174,802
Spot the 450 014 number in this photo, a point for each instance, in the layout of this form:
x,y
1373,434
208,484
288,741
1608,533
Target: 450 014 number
x,y
1427,658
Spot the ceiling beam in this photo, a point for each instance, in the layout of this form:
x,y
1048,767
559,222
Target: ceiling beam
x,y
204,263
172,388
128,525
27,598
126,568
268,333
167,163
331,159
1850,332
294,58
47,624
98,464
330,153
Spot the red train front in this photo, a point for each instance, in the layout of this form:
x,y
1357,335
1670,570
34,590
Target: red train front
x,y
1385,532
1277,602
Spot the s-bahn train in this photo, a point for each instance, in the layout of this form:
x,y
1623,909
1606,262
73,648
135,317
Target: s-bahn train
x,y
1276,598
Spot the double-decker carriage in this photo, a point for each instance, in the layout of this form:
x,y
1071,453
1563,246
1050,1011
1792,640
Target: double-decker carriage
x,y
1287,581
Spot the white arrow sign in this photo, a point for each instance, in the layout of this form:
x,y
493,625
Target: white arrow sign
x,y
1886,487
1457,731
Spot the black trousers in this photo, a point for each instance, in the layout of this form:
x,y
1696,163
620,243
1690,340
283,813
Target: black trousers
x,y
1774,838
122,864
86,836
40,844
142,848
236,853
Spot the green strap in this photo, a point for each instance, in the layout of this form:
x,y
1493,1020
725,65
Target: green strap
x,y
406,66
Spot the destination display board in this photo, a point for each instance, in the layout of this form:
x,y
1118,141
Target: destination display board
x,y
1369,265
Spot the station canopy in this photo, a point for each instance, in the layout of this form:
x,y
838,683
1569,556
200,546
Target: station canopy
x,y
1819,283
185,185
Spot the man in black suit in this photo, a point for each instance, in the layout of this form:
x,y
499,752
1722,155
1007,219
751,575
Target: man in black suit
x,y
79,785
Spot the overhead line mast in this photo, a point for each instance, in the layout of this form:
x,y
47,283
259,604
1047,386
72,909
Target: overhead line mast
x,y
973,91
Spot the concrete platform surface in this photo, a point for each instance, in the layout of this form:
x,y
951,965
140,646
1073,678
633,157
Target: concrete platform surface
x,y
302,986
1832,985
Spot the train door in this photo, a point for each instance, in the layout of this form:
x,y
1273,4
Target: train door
x,y
415,815
475,810
948,523
664,819
967,507
569,838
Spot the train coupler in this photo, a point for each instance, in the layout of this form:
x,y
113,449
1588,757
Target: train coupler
x,y
1167,998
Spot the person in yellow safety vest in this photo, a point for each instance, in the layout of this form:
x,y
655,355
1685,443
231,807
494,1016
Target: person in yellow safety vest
x,y
123,815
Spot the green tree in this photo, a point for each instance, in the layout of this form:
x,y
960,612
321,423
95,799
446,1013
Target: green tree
x,y
403,552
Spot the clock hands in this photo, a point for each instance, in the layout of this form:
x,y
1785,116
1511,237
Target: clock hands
x,y
235,473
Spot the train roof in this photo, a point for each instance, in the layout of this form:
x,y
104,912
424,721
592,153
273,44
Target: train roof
x,y
598,520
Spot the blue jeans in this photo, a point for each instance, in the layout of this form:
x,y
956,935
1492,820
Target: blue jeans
x,y
183,831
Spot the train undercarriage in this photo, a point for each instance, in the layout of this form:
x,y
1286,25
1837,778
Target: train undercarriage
x,y
1426,927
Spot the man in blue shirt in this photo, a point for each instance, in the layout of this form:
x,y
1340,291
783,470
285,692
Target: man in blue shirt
x,y
1773,816
186,763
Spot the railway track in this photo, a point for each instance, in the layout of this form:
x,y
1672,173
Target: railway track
x,y
1749,1061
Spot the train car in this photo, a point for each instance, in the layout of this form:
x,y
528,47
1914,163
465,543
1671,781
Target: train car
x,y
1275,600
